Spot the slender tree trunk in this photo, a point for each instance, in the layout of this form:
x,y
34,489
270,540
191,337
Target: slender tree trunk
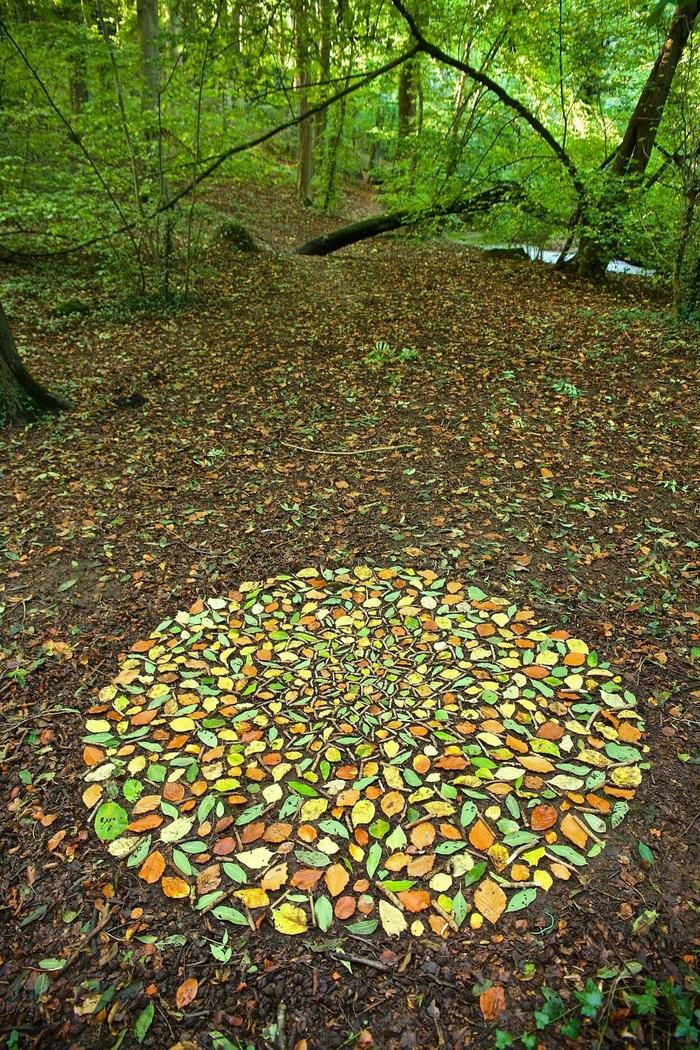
x,y
599,241
324,60
148,28
21,396
407,98
685,288
72,13
305,163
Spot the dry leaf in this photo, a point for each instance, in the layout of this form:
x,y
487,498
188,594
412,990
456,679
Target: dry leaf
x,y
187,992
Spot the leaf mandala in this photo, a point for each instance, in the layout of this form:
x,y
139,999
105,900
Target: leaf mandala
x,y
360,747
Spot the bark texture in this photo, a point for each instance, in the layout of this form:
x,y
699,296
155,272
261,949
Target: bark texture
x,y
21,396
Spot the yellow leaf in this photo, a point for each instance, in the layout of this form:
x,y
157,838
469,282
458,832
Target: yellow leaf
x,y
626,776
290,919
313,808
543,879
392,919
362,812
253,897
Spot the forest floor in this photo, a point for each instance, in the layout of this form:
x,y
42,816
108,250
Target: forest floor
x,y
550,427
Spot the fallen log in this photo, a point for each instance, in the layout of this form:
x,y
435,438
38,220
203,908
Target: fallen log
x,y
504,192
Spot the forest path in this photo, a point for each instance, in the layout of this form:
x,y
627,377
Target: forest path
x,y
549,425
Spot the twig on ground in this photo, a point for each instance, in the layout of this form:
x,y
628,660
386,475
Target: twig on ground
x,y
349,452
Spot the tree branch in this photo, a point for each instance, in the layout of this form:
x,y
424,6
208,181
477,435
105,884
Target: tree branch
x,y
233,151
508,100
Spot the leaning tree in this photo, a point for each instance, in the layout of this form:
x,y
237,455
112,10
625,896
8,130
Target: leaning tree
x,y
21,395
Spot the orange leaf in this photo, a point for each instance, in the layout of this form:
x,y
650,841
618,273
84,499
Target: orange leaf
x,y
415,900
187,992
574,830
490,899
147,823
92,756
175,887
305,878
143,645
481,836
153,867
423,835
277,832
492,1002
543,817
336,878
393,802
345,907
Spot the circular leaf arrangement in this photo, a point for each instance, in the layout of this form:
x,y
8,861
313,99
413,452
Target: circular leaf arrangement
x,y
360,747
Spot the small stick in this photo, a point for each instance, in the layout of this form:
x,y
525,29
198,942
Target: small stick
x,y
89,936
362,960
346,452
281,1020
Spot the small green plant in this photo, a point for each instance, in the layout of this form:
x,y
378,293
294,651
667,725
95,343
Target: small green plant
x,y
562,386
654,1013
385,354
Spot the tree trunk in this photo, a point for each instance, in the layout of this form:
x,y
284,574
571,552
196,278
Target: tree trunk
x,y
324,60
686,286
147,21
407,106
598,243
395,220
72,13
305,162
148,29
21,396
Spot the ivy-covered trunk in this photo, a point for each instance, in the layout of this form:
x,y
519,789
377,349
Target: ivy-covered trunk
x,y
21,396
604,218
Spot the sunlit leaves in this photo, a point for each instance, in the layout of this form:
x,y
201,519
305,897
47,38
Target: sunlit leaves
x,y
374,747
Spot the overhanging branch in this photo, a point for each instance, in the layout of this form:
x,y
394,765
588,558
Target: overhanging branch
x,y
506,98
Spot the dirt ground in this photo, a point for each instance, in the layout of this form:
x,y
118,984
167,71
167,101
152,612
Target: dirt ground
x,y
551,428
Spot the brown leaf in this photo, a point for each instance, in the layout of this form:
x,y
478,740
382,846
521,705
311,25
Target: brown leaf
x,y
492,1002
490,899
187,992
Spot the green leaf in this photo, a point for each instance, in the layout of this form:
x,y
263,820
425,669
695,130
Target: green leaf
x,y
522,899
645,853
364,928
374,855
111,821
229,914
590,998
474,874
144,1022
323,910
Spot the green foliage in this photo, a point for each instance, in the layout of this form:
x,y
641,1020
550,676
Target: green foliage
x,y
88,158
655,1012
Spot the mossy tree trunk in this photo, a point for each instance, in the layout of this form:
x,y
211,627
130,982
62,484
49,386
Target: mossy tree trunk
x,y
600,239
21,396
